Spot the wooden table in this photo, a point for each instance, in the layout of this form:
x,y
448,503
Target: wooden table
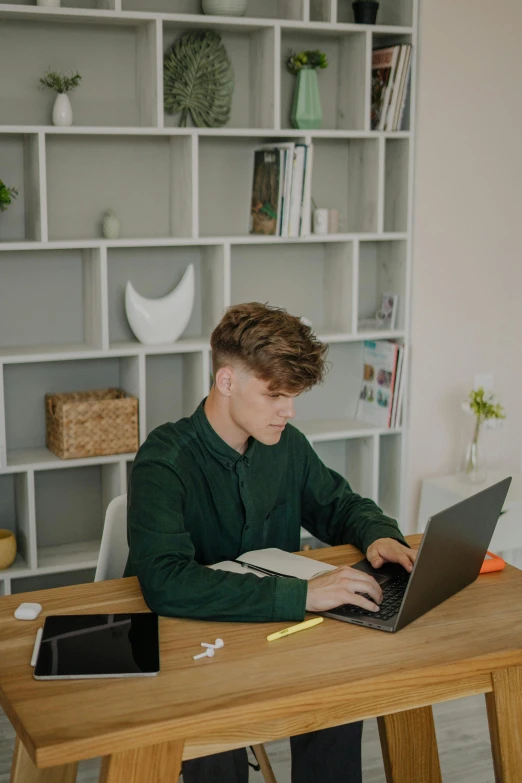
x,y
254,691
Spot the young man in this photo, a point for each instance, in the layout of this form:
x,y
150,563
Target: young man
x,y
234,477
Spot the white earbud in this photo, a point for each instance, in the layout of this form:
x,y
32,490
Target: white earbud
x,y
209,653
217,644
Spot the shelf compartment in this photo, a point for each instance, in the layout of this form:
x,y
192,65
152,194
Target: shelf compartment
x,y
353,459
398,13
324,272
345,177
147,181
154,272
29,584
341,85
396,178
71,307
337,397
70,512
25,386
251,53
20,156
272,9
382,269
175,385
226,169
390,474
382,39
15,516
118,71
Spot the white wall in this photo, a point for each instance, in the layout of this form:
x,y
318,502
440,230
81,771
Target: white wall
x,y
467,270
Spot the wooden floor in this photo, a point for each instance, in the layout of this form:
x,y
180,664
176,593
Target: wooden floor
x,y
462,734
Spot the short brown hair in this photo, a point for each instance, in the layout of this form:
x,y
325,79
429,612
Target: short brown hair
x,y
270,343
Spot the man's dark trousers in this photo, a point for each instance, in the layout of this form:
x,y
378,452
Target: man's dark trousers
x,y
326,756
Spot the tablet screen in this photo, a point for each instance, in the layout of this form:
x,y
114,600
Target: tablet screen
x,y
98,645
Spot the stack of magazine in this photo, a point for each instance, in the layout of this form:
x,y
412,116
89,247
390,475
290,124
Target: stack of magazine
x,y
281,190
391,68
380,398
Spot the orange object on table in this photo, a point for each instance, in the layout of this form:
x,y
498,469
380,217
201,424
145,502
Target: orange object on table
x,y
492,563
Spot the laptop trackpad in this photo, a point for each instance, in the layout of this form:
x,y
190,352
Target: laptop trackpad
x,y
381,575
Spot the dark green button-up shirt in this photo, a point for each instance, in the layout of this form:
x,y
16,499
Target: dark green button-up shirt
x,y
194,500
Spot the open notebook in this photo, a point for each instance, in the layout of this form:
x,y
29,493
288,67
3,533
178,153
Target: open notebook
x,y
274,562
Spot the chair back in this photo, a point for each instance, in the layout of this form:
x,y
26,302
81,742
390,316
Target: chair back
x,y
114,549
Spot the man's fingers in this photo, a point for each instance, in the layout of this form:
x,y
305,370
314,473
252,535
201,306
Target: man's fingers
x,y
377,561
364,603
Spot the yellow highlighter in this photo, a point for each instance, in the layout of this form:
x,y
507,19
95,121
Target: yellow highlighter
x,y
295,628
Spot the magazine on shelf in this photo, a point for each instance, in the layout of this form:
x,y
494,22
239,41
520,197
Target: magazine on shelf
x,y
405,91
281,190
394,98
384,65
265,211
296,196
398,380
306,204
378,383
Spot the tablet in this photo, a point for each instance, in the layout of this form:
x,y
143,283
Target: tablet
x,y
83,646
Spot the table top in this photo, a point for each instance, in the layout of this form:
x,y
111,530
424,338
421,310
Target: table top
x,y
334,665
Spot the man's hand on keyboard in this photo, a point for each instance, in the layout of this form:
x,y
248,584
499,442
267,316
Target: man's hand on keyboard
x,y
388,550
343,586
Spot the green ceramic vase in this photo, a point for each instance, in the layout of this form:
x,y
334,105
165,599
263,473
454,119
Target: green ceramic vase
x,y
306,107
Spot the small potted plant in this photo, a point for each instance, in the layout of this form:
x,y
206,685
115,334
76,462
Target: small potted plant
x,y
365,11
306,110
488,411
61,84
6,196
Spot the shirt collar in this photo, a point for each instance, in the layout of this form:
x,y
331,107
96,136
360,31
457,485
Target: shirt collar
x,y
228,456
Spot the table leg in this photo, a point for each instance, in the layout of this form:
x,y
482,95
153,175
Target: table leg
x,y
24,770
158,763
409,747
504,706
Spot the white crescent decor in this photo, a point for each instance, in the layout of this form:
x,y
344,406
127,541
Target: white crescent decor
x,y
157,321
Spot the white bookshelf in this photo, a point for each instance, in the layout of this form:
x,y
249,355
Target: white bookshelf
x,y
62,319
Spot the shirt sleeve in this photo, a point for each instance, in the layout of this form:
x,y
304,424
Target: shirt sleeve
x,y
335,514
172,582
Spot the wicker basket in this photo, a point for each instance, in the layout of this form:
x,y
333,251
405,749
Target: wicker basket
x,y
91,424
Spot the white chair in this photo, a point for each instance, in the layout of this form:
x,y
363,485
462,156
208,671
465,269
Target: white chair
x,y
114,552
114,549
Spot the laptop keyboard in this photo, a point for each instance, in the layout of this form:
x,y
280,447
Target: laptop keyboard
x,y
392,595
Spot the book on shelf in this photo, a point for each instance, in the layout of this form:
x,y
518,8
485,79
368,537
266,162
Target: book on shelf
x,y
382,360
390,79
267,194
384,65
281,190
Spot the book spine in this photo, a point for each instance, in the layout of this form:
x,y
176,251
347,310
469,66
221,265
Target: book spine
x,y
407,84
392,385
306,212
296,197
404,74
389,87
395,90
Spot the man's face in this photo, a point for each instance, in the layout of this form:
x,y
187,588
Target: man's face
x,y
260,412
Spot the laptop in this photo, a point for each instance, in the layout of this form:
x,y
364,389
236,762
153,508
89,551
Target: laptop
x,y
450,556
87,646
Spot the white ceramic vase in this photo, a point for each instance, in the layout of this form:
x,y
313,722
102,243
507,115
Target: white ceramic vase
x,y
62,110
49,3
110,225
159,321
225,7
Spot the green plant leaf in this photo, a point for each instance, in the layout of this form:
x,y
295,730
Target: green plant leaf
x,y
198,78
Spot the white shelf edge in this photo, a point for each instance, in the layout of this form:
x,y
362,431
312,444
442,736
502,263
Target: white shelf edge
x,y
152,130
42,459
198,345
247,239
248,23
339,429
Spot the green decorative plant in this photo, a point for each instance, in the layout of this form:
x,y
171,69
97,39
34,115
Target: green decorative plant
x,y
59,82
6,196
488,411
307,59
199,80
